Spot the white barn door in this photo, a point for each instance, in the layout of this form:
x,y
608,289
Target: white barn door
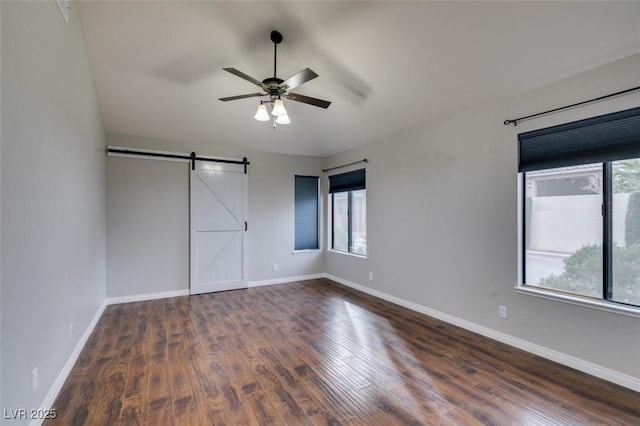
x,y
218,224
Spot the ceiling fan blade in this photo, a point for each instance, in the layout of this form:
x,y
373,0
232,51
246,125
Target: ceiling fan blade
x,y
243,75
233,98
300,78
308,100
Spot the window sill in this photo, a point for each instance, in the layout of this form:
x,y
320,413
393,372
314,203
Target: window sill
x,y
580,301
345,253
305,251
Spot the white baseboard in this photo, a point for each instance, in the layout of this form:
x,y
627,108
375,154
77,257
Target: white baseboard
x,y
62,377
286,280
146,296
186,292
613,376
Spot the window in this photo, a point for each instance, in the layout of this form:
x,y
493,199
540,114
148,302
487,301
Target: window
x,y
581,208
349,212
306,213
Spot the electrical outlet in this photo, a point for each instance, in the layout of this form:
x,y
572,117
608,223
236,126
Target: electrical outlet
x,y
275,267
370,275
502,312
34,379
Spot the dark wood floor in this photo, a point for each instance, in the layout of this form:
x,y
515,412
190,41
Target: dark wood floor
x,y
315,352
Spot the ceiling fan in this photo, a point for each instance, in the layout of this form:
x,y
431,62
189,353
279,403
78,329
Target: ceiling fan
x,y
277,89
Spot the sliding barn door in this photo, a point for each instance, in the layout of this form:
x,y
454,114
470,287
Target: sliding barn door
x,y
218,215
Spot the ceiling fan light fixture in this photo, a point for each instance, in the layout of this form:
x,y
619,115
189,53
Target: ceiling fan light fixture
x,y
261,113
283,119
278,108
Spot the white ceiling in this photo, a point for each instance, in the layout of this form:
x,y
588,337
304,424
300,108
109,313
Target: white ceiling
x,y
386,66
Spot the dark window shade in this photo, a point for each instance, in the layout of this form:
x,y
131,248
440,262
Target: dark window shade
x,y
306,213
609,137
350,181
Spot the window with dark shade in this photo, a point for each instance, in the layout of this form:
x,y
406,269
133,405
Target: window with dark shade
x,y
609,137
345,182
581,207
306,213
348,197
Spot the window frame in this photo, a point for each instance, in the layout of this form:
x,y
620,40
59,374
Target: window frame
x,y
349,250
350,189
605,302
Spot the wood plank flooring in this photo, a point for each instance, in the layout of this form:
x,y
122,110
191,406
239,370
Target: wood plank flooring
x,y
316,353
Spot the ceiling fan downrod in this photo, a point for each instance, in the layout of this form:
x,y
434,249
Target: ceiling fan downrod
x,y
276,38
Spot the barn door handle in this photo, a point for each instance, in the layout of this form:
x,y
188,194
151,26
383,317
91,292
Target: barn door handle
x,y
245,226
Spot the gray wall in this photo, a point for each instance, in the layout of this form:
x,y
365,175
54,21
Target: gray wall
x,y
148,217
148,226
1,406
53,197
442,221
271,217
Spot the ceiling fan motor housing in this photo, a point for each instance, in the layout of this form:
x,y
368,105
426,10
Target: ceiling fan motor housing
x,y
273,86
